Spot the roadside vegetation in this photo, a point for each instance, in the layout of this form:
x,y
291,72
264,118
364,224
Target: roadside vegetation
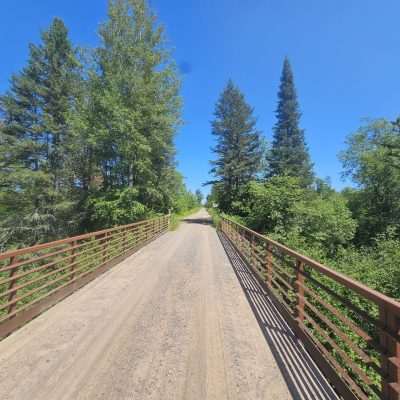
x,y
87,135
273,189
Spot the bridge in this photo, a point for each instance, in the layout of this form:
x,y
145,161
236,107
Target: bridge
x,y
195,313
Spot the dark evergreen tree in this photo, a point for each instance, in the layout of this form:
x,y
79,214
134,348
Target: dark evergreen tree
x,y
199,196
238,149
36,189
289,154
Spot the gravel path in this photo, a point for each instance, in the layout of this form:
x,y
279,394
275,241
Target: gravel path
x,y
170,322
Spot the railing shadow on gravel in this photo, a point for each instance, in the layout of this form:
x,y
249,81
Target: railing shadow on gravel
x,y
201,221
302,376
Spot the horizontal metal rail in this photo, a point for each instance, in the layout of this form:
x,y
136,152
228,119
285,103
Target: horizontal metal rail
x,y
351,331
34,278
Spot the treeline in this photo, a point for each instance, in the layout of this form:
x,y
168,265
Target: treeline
x,y
273,188
87,136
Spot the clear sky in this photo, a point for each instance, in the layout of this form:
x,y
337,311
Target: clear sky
x,y
344,53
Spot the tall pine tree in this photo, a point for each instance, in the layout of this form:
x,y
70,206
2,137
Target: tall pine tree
x,y
36,194
289,154
238,147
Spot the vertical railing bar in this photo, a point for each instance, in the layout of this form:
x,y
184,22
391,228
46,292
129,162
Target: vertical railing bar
x,y
11,296
105,243
269,265
125,236
390,356
72,262
300,291
251,256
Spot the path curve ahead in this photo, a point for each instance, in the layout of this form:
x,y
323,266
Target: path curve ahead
x,y
170,322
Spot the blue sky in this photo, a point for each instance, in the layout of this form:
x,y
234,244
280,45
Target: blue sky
x,y
344,53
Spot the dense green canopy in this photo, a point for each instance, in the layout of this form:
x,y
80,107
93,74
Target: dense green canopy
x,y
87,138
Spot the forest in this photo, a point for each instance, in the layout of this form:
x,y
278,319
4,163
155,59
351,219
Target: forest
x,y
273,189
87,135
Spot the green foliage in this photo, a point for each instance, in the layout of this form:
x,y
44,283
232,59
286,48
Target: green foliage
x,y
323,221
282,208
90,143
37,192
215,216
268,207
117,207
375,265
371,161
289,153
135,98
238,149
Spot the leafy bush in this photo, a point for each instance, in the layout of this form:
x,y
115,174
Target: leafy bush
x,y
118,207
285,210
372,161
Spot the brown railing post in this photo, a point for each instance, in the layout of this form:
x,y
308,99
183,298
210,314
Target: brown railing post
x,y
251,256
125,236
390,323
73,244
11,296
105,243
269,265
300,291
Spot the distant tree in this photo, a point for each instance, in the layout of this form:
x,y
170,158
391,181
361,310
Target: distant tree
x,y
371,161
238,149
199,196
392,144
37,189
289,154
213,196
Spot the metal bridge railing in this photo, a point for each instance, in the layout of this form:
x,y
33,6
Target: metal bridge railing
x,y
351,331
33,279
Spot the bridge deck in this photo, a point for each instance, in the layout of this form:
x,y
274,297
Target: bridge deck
x,y
176,320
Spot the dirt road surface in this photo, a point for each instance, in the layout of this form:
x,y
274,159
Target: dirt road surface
x,y
170,322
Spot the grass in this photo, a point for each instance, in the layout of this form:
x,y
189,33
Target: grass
x,y
215,216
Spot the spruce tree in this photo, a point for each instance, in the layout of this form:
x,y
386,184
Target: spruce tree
x,y
289,154
238,147
36,192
